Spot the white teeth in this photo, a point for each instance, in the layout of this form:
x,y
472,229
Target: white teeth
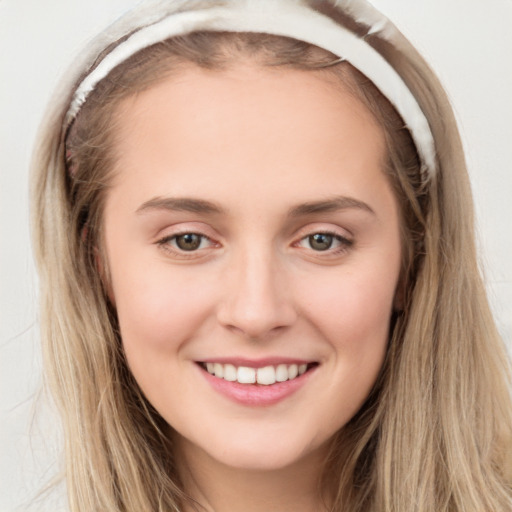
x,y
218,370
230,372
282,373
246,375
266,376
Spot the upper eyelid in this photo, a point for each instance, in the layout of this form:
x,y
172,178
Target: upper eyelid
x,y
174,230
322,228
176,235
343,240
213,236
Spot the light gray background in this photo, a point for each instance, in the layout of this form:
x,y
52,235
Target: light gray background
x,y
468,42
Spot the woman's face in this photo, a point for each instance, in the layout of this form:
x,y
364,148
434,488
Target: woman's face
x,y
250,232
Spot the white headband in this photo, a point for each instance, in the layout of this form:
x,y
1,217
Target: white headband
x,y
290,18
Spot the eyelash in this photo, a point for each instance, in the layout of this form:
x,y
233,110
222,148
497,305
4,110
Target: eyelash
x,y
165,243
344,243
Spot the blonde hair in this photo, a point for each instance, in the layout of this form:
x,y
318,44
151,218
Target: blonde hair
x,y
435,433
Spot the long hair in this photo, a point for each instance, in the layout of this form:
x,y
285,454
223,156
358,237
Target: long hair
x,y
436,431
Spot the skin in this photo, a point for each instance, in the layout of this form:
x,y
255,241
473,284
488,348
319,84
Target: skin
x,y
258,144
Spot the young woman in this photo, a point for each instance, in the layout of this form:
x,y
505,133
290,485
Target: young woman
x,y
260,290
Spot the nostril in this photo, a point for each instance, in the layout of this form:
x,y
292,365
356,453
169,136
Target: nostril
x,y
255,305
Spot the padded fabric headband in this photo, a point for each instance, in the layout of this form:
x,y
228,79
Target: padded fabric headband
x,y
157,21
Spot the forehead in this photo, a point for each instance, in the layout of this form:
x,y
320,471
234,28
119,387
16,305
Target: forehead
x,y
249,127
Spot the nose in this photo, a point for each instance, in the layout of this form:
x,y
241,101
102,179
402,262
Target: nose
x,y
256,301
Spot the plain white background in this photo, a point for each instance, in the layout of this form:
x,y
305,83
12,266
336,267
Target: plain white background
x,y
468,43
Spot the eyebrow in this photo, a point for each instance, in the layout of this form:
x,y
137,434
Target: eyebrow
x,y
188,204
180,204
329,205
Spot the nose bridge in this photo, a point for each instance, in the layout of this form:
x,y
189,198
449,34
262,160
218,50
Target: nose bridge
x,y
255,299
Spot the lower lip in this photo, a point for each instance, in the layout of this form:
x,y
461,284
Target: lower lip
x,y
257,394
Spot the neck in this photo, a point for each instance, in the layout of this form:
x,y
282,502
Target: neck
x,y
217,487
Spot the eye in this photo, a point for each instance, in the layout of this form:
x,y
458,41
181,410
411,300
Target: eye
x,y
185,242
321,242
188,241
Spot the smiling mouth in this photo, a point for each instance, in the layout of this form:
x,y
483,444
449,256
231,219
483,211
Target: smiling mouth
x,y
265,376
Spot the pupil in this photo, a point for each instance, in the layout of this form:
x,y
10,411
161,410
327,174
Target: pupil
x,y
188,242
320,241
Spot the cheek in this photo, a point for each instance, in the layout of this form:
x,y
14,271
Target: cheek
x,y
158,310
354,318
352,307
159,313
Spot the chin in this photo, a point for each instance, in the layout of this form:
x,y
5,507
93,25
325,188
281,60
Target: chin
x,y
258,453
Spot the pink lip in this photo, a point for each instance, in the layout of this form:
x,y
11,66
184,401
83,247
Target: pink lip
x,y
256,394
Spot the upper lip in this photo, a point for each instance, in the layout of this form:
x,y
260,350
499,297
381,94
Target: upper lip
x,y
257,363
